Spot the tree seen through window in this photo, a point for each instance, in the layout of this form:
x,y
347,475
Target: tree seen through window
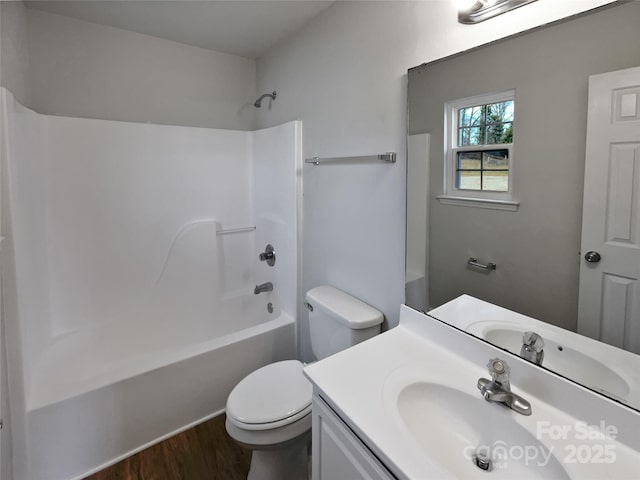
x,y
486,126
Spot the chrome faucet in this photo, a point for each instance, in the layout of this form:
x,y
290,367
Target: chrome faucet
x,y
263,287
498,389
532,347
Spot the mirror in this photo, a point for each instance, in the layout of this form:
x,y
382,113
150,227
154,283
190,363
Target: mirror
x,y
533,235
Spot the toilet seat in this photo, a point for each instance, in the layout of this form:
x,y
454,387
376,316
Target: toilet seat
x,y
271,397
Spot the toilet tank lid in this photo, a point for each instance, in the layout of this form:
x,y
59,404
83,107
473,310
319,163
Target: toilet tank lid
x,y
352,312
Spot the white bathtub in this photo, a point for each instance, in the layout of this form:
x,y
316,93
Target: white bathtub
x,y
159,381
129,259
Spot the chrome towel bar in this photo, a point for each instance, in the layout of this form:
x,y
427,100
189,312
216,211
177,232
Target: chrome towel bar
x,y
474,263
385,157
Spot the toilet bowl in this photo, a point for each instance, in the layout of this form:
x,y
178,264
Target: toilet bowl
x,y
269,411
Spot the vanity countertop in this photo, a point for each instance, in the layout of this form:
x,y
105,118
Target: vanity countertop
x,y
364,385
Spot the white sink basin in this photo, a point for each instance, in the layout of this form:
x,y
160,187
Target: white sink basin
x,y
596,365
562,359
453,426
411,396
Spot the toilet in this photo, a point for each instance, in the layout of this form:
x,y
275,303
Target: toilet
x,y
269,411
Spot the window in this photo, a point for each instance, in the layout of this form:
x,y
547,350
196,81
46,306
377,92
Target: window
x,y
479,151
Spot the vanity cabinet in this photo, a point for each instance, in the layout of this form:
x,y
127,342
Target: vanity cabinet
x,y
337,452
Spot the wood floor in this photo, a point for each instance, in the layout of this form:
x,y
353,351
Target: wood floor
x,y
204,452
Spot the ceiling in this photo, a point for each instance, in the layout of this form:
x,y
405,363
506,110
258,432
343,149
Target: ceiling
x,y
247,28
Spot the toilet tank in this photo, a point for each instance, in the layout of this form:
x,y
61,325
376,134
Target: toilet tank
x,y
337,320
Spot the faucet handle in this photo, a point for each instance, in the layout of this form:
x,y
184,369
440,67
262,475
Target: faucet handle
x,y
500,372
533,341
269,255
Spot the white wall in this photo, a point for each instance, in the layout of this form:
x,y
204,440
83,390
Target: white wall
x,y
417,244
118,194
83,69
24,239
344,75
275,187
14,54
91,212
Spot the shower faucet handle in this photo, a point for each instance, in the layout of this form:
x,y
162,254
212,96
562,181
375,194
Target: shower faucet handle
x,y
269,255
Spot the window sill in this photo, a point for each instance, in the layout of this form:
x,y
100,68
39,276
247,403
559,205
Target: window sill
x,y
507,205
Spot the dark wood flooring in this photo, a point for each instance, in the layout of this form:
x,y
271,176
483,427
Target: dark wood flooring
x,y
204,452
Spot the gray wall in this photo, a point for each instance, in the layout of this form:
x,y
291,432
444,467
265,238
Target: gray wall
x,y
14,50
537,247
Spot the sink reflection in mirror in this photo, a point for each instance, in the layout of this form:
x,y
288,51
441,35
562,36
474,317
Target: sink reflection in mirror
x,y
560,358
595,365
536,238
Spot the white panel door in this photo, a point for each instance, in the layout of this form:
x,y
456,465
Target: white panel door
x,y
609,305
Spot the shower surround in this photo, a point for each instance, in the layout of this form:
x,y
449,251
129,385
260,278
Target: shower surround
x,y
129,264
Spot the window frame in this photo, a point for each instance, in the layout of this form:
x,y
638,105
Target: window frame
x,y
479,198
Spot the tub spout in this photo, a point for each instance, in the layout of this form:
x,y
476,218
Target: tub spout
x,y
264,287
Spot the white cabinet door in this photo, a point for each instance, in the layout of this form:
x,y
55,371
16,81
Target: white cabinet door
x,y
609,305
337,453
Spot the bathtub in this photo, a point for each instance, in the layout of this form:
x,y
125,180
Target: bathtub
x,y
159,382
129,259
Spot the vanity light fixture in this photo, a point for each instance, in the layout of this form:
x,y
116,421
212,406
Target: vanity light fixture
x,y
476,11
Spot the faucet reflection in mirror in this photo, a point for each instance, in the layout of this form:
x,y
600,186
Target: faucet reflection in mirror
x,y
532,347
540,247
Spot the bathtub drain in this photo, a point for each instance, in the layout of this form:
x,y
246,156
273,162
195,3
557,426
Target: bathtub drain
x,y
270,307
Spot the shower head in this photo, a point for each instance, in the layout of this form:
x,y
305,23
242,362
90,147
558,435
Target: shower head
x,y
272,96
